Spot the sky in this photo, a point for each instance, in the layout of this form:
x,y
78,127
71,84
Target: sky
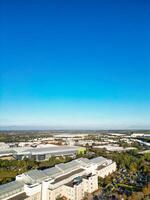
x,y
75,64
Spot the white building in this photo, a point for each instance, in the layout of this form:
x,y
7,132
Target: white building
x,y
137,135
39,153
4,145
114,148
72,180
85,142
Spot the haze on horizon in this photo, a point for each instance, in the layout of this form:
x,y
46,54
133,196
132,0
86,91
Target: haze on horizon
x,y
75,64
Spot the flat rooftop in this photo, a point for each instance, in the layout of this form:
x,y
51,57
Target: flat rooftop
x,y
100,167
72,183
11,188
67,175
21,196
78,180
46,150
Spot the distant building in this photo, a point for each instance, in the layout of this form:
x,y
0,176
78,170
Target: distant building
x,y
137,135
72,180
70,135
44,153
85,142
41,153
114,148
3,145
70,142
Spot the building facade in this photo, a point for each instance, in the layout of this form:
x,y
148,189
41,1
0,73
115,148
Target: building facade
x,y
72,180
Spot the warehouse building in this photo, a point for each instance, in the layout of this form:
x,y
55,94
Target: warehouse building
x,y
43,153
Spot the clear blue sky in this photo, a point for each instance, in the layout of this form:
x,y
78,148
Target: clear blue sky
x,y
75,63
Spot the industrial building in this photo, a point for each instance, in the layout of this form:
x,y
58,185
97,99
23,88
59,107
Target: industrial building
x,y
39,154
71,180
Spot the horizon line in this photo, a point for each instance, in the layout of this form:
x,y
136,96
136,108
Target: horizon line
x,y
63,128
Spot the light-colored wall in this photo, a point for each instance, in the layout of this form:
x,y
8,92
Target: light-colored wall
x,y
75,192
32,190
36,196
53,194
90,184
107,170
69,192
64,181
47,190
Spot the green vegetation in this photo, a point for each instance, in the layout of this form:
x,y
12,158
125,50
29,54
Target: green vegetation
x,y
81,151
131,160
132,179
129,187
10,168
144,139
23,137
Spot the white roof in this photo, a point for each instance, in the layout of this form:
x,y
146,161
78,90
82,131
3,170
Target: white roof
x,y
98,160
11,188
53,172
36,175
72,165
84,161
43,150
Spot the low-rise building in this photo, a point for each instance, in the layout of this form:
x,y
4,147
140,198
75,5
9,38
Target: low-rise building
x,y
134,135
40,153
114,148
71,180
85,142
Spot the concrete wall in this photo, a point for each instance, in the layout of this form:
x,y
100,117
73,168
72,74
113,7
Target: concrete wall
x,y
107,170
